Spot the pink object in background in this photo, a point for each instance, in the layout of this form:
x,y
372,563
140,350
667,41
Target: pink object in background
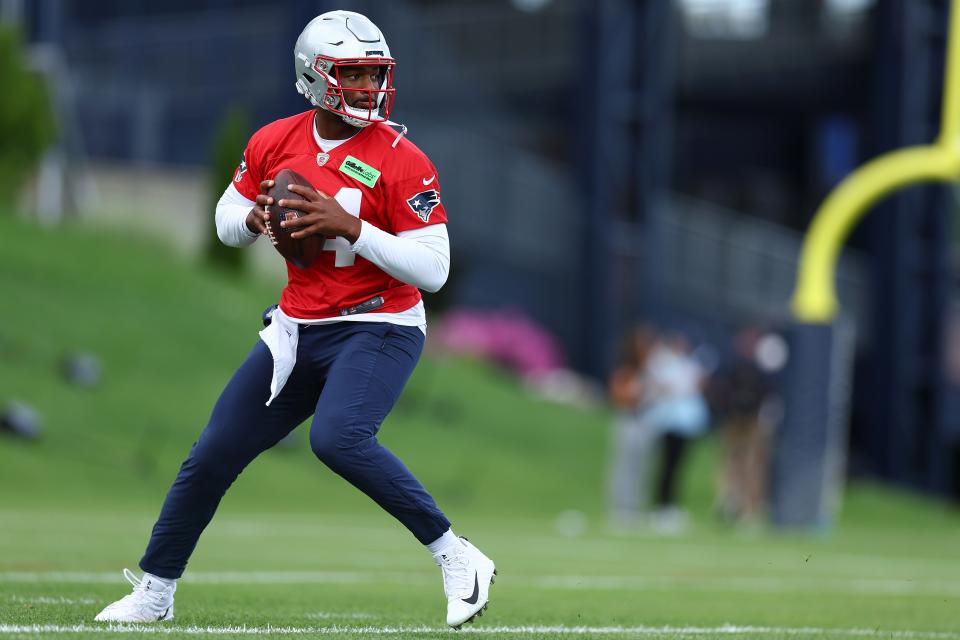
x,y
505,336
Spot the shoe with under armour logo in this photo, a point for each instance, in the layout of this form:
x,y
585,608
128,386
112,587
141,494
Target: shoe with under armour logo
x,y
467,576
150,601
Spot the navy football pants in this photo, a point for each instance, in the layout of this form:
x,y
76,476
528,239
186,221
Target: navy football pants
x,y
348,375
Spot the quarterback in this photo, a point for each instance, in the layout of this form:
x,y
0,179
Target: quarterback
x,y
349,328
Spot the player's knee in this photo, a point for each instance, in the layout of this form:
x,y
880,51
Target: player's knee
x,y
332,444
323,445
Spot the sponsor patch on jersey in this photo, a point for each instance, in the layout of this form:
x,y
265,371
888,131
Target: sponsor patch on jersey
x,y
424,203
360,170
242,169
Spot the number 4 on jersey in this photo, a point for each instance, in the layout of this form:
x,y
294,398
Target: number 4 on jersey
x,y
349,199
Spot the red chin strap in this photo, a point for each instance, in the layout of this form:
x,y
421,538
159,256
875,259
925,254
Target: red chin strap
x,y
380,100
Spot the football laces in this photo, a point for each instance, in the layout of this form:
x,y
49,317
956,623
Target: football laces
x,y
273,239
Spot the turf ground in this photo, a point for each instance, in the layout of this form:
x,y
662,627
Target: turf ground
x,y
358,576
293,551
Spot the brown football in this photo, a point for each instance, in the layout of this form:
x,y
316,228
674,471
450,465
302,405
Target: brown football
x,y
300,252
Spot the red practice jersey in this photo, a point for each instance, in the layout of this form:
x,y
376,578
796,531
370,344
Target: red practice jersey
x,y
392,187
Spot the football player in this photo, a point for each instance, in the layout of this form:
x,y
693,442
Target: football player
x,y
348,330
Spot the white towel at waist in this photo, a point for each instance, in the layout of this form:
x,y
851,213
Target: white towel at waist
x,y
281,337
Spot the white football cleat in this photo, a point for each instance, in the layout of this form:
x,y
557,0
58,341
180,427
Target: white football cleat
x,y
467,576
149,602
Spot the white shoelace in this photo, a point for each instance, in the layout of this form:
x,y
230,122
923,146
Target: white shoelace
x,y
457,577
141,590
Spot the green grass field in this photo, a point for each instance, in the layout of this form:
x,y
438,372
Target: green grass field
x,y
295,551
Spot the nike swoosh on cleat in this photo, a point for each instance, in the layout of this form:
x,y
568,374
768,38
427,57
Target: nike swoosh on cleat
x,y
476,591
164,614
426,182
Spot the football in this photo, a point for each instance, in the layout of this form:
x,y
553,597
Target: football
x,y
300,252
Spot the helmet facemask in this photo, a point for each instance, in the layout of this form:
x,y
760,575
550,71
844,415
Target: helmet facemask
x,y
336,97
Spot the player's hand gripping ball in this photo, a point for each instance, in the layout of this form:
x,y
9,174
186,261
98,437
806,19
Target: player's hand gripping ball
x,y
301,252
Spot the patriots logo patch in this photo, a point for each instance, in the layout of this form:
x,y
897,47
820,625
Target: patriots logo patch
x,y
242,169
424,203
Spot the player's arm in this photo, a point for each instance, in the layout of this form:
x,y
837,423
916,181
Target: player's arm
x,y
420,256
240,221
240,215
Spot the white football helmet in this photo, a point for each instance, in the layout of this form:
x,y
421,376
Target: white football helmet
x,y
332,42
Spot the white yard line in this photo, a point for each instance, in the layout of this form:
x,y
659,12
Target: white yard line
x,y
860,586
52,600
747,584
724,630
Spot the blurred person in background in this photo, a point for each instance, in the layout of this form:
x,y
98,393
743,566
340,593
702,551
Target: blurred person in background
x,y
678,413
348,330
744,396
633,437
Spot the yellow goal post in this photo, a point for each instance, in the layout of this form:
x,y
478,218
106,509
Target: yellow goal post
x,y
815,298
